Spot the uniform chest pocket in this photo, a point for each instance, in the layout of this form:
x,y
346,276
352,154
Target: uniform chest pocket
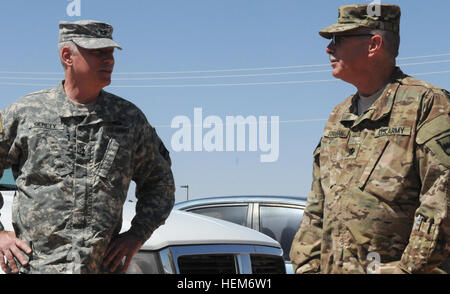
x,y
387,170
333,159
48,151
117,154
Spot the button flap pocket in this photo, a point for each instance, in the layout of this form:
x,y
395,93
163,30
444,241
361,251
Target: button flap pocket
x,y
108,159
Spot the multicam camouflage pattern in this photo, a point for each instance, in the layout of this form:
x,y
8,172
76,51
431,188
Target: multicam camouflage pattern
x,y
89,34
380,185
356,16
73,165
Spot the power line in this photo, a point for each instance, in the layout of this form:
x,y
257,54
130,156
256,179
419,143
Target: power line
x,y
426,62
220,84
224,70
225,84
223,76
254,84
262,68
26,84
263,75
430,73
423,56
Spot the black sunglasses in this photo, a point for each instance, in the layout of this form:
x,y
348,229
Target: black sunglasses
x,y
336,39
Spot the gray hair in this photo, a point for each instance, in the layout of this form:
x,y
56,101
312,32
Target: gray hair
x,y
391,41
71,45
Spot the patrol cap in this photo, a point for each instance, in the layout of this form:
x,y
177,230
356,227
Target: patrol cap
x,y
384,17
89,34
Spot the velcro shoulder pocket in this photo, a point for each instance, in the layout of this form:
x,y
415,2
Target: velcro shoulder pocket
x,y
436,136
440,146
433,128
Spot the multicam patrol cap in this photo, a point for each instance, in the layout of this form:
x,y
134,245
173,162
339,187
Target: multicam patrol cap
x,y
374,16
89,34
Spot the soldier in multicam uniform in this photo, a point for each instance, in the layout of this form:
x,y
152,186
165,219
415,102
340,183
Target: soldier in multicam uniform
x,y
379,201
73,150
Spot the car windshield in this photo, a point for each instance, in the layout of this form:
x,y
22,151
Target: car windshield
x,y
7,181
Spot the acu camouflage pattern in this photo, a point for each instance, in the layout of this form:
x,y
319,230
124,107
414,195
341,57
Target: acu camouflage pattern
x,y
380,185
89,34
356,16
73,165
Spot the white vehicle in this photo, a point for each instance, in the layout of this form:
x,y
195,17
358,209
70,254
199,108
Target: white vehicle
x,y
191,243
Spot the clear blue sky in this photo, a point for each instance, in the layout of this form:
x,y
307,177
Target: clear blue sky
x,y
211,36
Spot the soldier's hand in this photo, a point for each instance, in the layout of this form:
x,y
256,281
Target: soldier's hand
x,y
10,247
126,245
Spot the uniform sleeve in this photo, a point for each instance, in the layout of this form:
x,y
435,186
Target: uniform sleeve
x,y
8,130
1,205
154,183
429,241
306,245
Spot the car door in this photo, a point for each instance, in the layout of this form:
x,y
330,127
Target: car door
x,y
278,221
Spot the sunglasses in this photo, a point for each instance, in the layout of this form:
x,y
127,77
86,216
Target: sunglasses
x,y
336,39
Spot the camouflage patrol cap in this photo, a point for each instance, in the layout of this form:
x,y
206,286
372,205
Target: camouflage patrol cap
x,y
89,34
373,16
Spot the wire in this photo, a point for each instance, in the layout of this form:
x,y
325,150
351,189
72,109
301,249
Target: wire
x,y
430,73
228,84
220,84
223,70
26,84
183,77
253,84
223,76
423,56
261,68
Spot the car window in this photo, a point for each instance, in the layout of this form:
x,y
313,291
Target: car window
x,y
234,213
280,223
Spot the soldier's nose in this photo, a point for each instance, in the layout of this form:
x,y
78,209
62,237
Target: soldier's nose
x,y
330,48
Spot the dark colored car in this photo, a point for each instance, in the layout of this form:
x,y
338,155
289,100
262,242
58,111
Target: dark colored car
x,y
276,216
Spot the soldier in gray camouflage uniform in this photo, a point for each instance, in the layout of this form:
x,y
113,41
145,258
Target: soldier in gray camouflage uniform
x,y
379,200
73,150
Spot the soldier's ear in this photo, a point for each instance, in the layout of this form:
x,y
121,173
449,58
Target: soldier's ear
x,y
375,44
66,56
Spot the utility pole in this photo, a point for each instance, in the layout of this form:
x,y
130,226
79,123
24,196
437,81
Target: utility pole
x,y
187,191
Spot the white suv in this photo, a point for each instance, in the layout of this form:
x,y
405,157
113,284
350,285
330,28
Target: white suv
x,y
190,243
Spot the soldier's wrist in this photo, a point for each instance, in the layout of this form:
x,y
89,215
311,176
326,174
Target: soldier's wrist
x,y
139,234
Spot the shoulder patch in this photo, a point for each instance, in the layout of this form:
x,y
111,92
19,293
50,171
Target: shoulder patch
x,y
440,147
433,128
